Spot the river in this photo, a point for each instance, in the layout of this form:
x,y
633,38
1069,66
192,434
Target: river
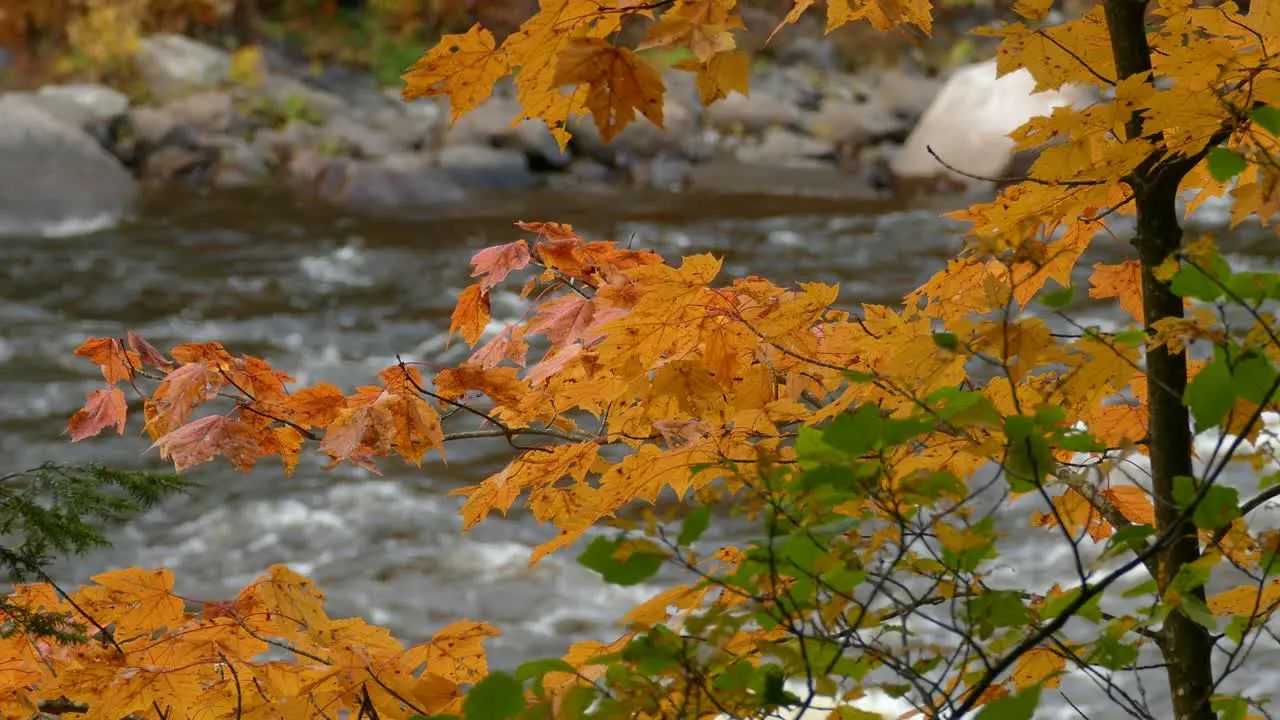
x,y
328,296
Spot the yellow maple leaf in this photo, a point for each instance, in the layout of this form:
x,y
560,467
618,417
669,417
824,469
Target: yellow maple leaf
x,y
618,83
1123,281
1037,666
882,14
724,73
463,66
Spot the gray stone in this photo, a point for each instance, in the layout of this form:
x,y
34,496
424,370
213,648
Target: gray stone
x,y
856,124
150,126
173,162
664,172
905,94
295,100
488,168
404,131
173,65
346,136
55,175
488,124
779,146
398,183
99,102
212,111
539,146
278,145
640,139
751,114
969,122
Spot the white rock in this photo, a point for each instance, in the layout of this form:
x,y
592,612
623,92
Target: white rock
x,y
969,122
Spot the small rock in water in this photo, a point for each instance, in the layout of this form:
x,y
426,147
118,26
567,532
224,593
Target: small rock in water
x,y
486,168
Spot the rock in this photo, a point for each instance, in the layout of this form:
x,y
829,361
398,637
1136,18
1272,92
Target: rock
x,y
174,65
398,183
905,94
779,146
173,162
150,126
345,136
100,103
289,99
641,139
751,114
276,146
488,124
856,124
539,146
968,125
488,168
408,132
55,174
211,112
238,162
664,172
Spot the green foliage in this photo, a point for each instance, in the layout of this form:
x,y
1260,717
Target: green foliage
x,y
58,510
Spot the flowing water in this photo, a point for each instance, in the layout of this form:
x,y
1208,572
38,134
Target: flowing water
x,y
332,297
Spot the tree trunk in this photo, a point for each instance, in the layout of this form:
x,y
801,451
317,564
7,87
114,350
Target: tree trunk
x,y
1186,646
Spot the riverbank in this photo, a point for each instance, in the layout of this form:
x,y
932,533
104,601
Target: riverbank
x,y
76,156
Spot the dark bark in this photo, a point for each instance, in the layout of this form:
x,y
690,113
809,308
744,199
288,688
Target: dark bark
x,y
1186,646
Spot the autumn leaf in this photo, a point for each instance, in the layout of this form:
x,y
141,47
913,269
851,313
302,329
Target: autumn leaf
x,y
104,409
725,73
471,314
702,26
315,406
107,354
531,470
464,67
1123,281
500,384
148,354
495,263
135,600
1037,666
365,430
619,83
178,395
199,441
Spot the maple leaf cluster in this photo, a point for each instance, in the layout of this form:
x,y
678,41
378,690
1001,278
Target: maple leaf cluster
x,y
154,651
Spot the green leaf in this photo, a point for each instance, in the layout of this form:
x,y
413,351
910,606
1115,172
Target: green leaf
x,y
1211,395
855,433
1220,506
601,556
535,668
1130,338
1268,116
1225,164
1014,707
1232,708
1058,299
1202,281
1112,654
695,523
1254,378
1198,612
497,697
946,340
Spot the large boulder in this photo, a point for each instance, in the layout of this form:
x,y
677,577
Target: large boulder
x,y
173,66
54,177
969,122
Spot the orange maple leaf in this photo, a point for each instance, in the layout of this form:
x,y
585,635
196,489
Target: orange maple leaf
x,y
494,264
104,409
106,353
1123,281
619,83
471,315
199,441
178,395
